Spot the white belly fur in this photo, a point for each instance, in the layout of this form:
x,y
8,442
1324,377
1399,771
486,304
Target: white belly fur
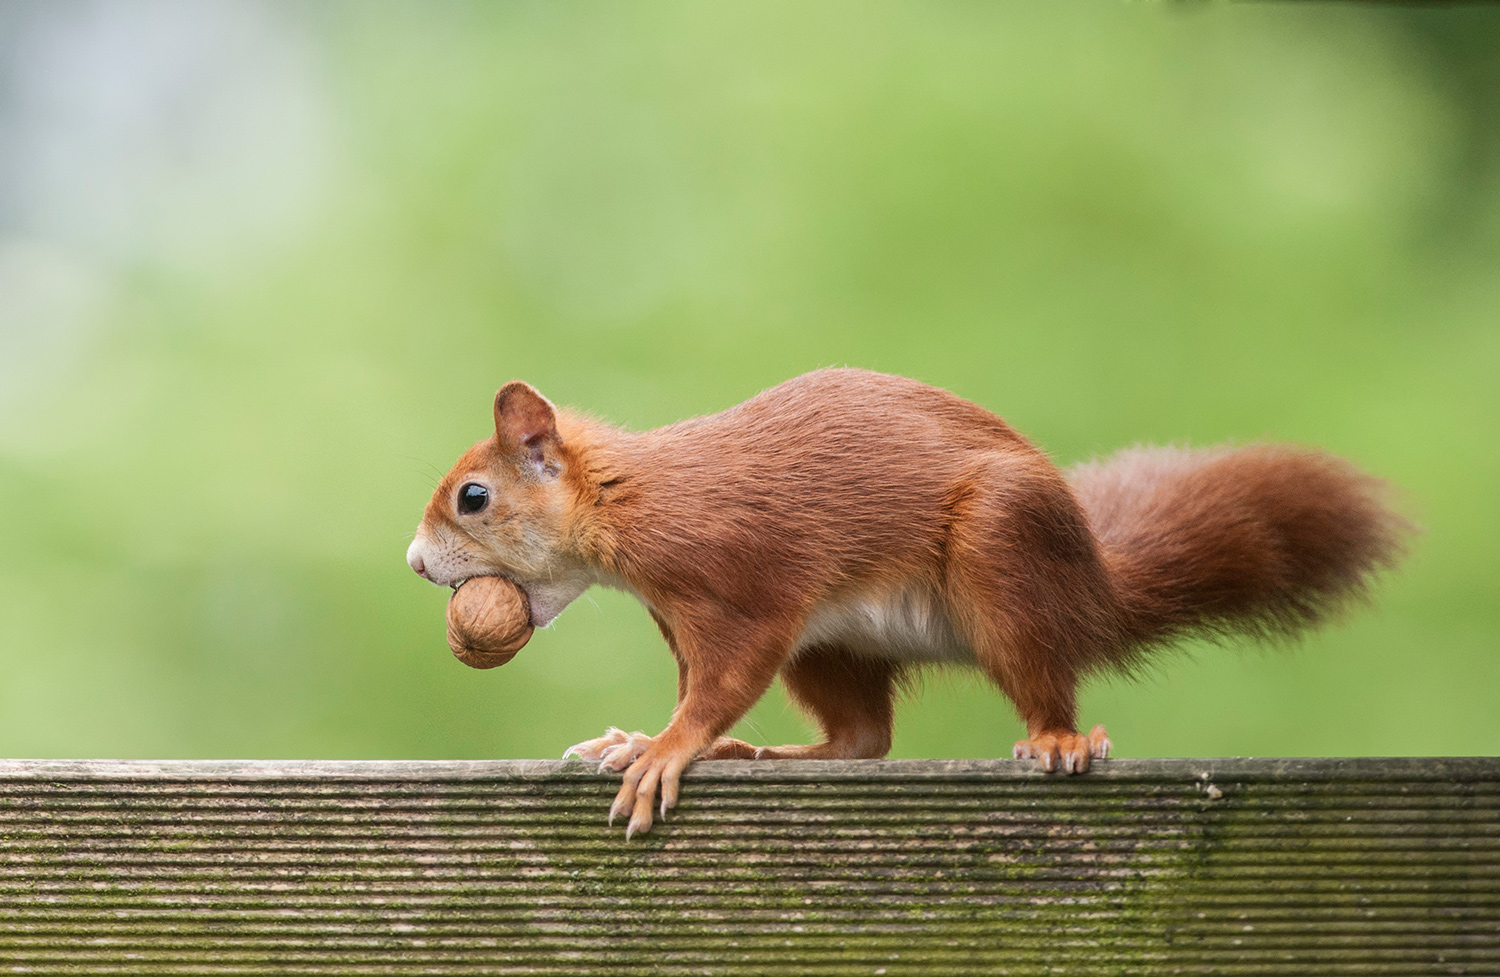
x,y
906,623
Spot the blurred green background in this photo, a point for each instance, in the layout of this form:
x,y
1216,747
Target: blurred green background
x,y
263,266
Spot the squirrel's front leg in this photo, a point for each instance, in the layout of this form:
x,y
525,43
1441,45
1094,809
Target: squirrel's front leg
x,y
725,676
617,749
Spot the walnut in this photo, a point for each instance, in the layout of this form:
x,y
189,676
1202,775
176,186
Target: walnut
x,y
489,620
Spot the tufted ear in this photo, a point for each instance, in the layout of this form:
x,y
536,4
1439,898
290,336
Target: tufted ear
x,y
526,425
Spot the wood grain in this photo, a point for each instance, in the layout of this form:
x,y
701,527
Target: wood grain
x,y
1312,866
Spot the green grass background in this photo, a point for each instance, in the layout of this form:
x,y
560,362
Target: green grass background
x,y
1111,224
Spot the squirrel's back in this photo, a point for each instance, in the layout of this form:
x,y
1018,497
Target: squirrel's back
x,y
808,486
841,489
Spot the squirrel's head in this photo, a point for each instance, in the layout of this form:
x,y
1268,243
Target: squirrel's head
x,y
506,509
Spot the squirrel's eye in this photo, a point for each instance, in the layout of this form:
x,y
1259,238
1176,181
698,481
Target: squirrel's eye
x,y
472,498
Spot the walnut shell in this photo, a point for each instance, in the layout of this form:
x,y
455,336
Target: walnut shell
x,y
489,620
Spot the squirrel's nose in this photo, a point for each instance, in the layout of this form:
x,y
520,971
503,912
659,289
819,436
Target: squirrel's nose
x,y
414,558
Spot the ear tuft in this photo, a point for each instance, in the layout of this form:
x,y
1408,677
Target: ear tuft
x,y
525,422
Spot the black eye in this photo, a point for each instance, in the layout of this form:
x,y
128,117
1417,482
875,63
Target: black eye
x,y
472,498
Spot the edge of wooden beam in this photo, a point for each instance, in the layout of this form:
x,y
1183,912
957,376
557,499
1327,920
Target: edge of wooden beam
x,y
1288,768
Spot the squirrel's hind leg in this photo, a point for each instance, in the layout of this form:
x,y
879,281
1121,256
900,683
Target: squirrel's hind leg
x,y
1029,593
851,696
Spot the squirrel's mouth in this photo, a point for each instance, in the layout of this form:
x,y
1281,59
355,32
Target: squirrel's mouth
x,y
537,620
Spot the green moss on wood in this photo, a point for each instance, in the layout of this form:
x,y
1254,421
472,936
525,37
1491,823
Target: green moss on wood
x,y
1145,867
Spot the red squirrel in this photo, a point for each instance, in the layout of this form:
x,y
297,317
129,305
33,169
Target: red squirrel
x,y
847,527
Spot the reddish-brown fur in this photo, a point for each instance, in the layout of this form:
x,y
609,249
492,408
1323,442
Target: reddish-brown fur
x,y
764,539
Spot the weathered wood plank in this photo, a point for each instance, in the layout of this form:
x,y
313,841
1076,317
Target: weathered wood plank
x,y
1360,866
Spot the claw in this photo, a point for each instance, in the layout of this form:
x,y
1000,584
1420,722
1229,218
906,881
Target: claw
x,y
1099,744
616,809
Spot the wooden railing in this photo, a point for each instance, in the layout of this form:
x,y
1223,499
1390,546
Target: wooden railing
x,y
1323,867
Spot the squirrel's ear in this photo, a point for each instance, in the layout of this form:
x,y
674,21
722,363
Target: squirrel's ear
x,y
525,423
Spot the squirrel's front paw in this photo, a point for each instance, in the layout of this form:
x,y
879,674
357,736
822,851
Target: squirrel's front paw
x,y
615,750
655,769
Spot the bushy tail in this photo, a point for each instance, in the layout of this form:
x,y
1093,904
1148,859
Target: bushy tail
x,y
1264,540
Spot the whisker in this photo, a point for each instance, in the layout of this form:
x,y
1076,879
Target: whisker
x,y
432,471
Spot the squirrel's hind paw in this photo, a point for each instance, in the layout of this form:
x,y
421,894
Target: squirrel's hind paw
x,y
727,748
1064,749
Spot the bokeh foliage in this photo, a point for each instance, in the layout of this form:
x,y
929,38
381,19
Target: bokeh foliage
x,y
246,328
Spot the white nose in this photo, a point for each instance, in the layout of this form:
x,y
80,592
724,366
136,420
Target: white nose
x,y
414,557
